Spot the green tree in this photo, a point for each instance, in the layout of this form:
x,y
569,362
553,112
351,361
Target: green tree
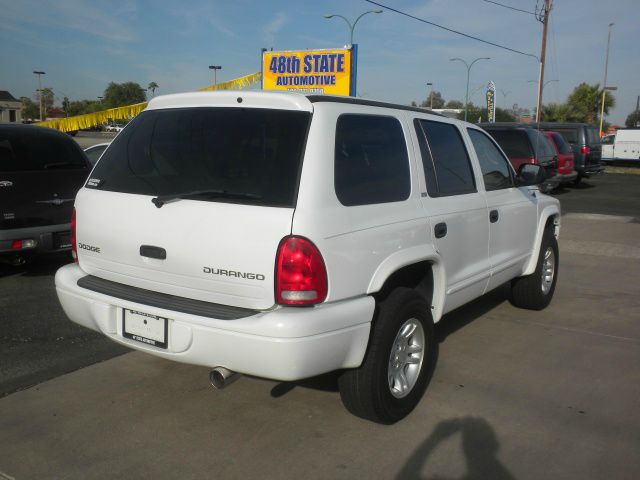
x,y
120,94
47,101
454,104
153,86
30,109
586,101
561,112
65,105
438,101
80,107
479,114
633,119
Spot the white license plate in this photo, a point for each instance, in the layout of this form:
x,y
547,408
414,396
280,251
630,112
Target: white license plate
x,y
145,328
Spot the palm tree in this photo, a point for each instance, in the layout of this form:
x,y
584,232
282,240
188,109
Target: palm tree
x,y
152,86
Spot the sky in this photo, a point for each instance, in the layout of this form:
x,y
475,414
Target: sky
x,y
84,45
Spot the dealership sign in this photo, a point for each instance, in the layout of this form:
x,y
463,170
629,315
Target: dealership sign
x,y
330,72
491,101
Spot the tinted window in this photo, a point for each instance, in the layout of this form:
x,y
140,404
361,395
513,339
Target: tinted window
x,y
495,168
28,150
256,152
448,157
541,145
513,142
93,153
569,134
561,144
608,140
592,135
371,161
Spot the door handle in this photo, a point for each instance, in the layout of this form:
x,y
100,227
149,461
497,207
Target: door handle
x,y
440,230
494,216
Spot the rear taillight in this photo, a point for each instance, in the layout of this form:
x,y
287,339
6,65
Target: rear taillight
x,y
585,150
74,249
301,277
532,160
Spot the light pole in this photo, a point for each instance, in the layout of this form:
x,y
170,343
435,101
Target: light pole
x,y
352,25
39,73
468,74
215,69
429,84
604,85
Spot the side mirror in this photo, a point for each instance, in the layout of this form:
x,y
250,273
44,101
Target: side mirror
x,y
530,174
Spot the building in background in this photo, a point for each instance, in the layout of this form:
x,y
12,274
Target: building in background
x,y
10,108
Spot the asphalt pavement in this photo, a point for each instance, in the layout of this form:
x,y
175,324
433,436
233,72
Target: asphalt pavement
x,y
516,394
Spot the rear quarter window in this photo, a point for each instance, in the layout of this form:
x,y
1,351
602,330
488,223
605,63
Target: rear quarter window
x,y
371,161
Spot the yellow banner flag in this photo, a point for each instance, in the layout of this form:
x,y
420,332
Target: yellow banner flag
x,y
79,122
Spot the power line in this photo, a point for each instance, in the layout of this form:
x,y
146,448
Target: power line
x,y
510,7
453,31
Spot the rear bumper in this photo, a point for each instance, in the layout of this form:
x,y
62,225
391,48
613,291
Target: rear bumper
x,y
281,344
47,239
562,178
586,170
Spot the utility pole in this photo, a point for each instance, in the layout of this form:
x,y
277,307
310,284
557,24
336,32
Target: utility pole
x,y
543,51
430,84
39,73
604,84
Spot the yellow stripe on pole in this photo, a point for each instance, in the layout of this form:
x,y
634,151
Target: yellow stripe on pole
x,y
88,120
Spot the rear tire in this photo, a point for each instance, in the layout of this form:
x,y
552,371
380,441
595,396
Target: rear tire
x,y
535,291
399,362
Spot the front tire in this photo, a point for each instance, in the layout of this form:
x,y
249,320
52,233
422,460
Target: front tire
x,y
535,291
399,362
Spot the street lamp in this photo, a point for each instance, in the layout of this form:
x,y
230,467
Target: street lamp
x,y
604,84
429,84
468,73
352,25
215,69
39,73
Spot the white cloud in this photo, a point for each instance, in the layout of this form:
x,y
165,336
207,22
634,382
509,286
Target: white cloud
x,y
271,29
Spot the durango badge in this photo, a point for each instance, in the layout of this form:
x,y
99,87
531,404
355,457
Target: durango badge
x,y
233,273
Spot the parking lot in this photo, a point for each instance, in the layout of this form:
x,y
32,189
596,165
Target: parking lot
x,y
516,394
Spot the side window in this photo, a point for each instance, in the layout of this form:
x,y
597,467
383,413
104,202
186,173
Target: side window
x,y
445,158
495,168
371,160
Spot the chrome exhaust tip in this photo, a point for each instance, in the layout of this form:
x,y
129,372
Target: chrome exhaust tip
x,y
221,377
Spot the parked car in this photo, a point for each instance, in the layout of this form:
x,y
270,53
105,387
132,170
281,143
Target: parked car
x,y
94,152
623,146
523,144
40,172
585,143
285,236
113,127
566,173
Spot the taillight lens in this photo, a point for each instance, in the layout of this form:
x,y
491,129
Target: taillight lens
x,y
585,150
301,277
74,249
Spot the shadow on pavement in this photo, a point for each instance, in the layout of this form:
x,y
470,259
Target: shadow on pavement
x,y
479,444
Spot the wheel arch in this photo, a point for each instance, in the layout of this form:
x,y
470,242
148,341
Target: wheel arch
x,y
414,269
550,218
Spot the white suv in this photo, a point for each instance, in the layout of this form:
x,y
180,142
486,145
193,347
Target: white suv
x,y
285,236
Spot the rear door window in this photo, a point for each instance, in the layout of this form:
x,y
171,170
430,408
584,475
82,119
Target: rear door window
x,y
592,136
371,160
252,155
569,134
24,150
496,171
446,161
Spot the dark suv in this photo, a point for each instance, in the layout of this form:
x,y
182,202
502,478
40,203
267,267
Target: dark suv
x,y
523,144
40,172
585,143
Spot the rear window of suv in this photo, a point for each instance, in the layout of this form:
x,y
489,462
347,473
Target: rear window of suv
x,y
23,150
253,154
514,143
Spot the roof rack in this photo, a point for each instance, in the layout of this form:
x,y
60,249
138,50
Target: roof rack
x,y
370,103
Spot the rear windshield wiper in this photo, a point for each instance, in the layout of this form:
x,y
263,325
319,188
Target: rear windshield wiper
x,y
162,199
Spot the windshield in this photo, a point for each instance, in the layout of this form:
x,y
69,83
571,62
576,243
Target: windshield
x,y
255,152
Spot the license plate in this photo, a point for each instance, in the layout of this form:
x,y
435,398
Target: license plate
x,y
145,328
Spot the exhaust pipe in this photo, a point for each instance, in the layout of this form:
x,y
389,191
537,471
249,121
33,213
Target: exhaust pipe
x,y
221,377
